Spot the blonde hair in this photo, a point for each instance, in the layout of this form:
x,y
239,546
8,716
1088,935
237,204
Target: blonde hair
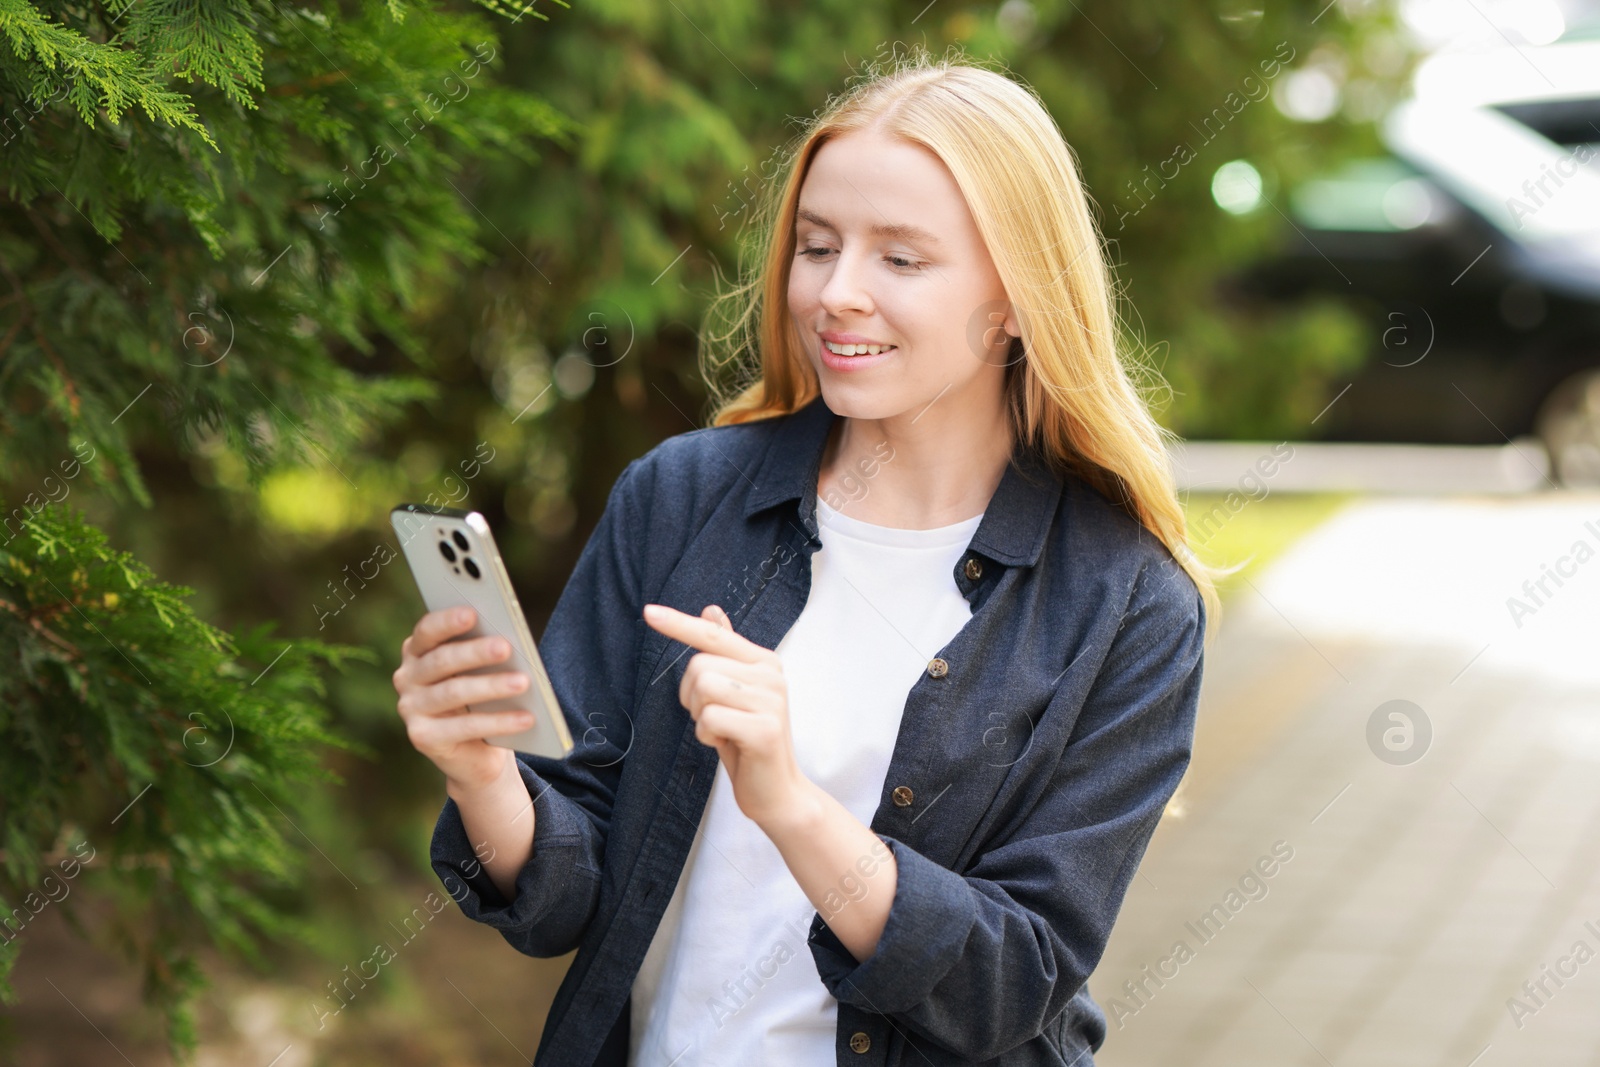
x,y
1070,393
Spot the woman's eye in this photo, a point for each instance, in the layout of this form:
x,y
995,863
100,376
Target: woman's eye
x,y
900,263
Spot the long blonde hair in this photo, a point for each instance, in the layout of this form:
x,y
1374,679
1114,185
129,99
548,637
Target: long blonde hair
x,y
1070,392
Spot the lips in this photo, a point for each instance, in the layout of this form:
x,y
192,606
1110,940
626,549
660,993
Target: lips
x,y
839,362
858,349
855,342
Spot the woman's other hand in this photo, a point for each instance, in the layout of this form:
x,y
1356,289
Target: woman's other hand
x,y
735,691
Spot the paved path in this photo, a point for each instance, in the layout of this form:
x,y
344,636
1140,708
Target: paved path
x,y
1221,466
1418,897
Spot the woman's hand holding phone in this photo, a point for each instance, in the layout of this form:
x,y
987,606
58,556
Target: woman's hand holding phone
x,y
482,779
434,693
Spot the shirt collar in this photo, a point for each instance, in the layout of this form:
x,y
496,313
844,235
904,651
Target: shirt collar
x,y
1014,525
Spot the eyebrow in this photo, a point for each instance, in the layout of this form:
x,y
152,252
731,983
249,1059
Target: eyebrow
x,y
901,231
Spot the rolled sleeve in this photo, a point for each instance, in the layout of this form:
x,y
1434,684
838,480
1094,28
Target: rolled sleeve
x,y
590,651
556,890
981,961
929,924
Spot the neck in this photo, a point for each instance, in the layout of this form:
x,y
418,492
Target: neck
x,y
914,475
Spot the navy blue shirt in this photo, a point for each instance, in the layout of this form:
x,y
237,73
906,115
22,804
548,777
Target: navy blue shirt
x,y
1034,758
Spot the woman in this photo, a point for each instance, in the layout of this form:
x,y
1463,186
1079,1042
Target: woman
x,y
881,682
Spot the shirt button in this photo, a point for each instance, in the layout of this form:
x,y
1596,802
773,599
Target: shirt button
x,y
974,568
860,1042
938,667
902,796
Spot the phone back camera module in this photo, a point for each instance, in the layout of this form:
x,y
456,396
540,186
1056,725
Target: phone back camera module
x,y
472,568
460,539
446,551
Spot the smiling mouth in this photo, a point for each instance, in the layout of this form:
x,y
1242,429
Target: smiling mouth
x,y
857,350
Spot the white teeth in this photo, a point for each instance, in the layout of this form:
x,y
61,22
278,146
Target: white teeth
x,y
856,350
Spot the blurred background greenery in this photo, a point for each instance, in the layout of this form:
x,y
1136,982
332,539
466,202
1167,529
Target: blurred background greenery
x,y
283,266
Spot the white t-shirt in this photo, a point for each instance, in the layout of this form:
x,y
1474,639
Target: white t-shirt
x,y
728,978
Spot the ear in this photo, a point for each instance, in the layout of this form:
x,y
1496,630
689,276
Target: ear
x,y
1013,323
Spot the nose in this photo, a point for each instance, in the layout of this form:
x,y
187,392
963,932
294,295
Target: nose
x,y
846,290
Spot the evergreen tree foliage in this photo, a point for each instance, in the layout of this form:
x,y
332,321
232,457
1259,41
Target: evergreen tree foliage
x,y
218,216
121,698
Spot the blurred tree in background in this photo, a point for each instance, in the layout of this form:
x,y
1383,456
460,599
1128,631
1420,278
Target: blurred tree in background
x,y
221,221
267,270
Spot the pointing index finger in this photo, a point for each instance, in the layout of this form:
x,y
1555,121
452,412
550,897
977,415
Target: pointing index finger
x,y
701,633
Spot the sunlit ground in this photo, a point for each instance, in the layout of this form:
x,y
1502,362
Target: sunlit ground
x,y
1254,534
1387,848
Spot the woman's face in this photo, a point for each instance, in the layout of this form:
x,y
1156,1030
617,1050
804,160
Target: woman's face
x,y
886,252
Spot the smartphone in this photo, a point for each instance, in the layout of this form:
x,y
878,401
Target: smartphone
x,y
454,560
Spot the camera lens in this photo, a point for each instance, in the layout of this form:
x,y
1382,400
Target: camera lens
x,y
472,568
461,541
446,551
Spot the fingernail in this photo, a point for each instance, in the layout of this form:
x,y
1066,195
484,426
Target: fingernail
x,y
463,614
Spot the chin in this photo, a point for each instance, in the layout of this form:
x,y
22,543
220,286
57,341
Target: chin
x,y
851,401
